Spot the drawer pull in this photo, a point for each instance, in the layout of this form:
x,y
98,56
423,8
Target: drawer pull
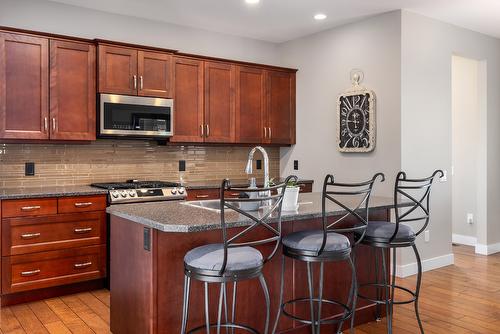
x,y
83,230
235,194
83,205
31,208
27,236
82,265
201,196
30,273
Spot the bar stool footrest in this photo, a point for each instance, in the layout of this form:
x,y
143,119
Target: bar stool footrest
x,y
328,320
387,286
225,325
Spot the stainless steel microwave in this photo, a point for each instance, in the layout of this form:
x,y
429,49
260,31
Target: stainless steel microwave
x,y
135,116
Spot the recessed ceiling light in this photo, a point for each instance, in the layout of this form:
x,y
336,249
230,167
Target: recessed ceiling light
x,y
319,16
252,2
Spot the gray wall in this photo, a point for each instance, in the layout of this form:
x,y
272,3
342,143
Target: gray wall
x,y
47,16
427,49
324,61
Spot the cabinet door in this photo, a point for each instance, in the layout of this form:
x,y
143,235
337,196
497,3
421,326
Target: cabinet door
x,y
188,100
281,107
219,102
155,74
72,91
24,90
117,70
250,105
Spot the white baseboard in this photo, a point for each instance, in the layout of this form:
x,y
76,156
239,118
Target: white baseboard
x,y
487,249
429,264
463,239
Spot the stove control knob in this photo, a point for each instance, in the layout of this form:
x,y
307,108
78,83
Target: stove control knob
x,y
173,191
181,191
123,193
131,193
115,194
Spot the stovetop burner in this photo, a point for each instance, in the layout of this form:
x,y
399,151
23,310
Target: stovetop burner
x,y
134,184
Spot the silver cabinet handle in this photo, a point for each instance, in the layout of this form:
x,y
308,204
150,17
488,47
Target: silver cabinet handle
x,y
83,205
30,272
31,208
202,131
201,196
83,230
135,81
141,82
82,265
27,236
265,132
53,124
270,133
45,123
208,130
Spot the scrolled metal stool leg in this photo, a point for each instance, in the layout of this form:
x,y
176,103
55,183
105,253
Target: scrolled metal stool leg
x,y
355,291
393,285
185,304
282,287
207,315
311,296
233,308
268,302
320,299
378,294
219,312
417,290
387,292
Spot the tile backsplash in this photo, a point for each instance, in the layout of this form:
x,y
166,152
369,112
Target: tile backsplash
x,y
118,160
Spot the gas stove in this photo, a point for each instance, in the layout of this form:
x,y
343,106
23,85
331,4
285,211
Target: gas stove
x,y
142,191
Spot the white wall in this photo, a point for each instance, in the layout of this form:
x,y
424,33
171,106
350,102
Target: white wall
x,y
465,140
427,48
324,61
52,17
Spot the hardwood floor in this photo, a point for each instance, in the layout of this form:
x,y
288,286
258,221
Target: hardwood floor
x,y
464,298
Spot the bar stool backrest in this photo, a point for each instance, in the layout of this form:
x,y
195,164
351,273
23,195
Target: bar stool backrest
x,y
271,197
417,193
354,198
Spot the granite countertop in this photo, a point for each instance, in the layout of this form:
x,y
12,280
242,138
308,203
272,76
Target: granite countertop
x,y
238,183
55,191
179,217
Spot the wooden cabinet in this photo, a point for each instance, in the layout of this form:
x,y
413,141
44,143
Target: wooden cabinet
x,y
250,105
130,71
27,66
24,86
51,242
188,100
219,102
202,194
280,108
72,91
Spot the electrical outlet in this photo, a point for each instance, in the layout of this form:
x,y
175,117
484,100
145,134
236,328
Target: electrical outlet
x,y
182,165
258,164
470,218
29,169
427,235
445,176
296,165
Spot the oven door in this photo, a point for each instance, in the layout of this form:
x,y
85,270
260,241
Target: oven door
x,y
137,116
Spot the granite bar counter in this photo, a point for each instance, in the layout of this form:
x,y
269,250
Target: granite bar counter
x,y
148,244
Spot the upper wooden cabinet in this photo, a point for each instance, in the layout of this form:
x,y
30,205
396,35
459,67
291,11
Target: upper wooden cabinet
x,y
219,102
72,91
24,87
188,100
26,62
280,108
250,105
130,71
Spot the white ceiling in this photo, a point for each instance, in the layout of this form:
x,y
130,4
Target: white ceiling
x,y
283,20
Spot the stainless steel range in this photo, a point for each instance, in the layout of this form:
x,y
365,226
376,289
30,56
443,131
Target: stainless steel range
x,y
142,191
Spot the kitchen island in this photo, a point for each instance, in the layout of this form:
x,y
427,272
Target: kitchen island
x,y
148,244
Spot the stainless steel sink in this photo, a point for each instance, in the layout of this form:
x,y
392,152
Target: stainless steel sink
x,y
211,205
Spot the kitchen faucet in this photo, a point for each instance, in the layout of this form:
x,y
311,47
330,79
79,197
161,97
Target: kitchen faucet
x,y
249,167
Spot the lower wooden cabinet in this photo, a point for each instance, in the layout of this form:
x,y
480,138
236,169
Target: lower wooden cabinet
x,y
51,243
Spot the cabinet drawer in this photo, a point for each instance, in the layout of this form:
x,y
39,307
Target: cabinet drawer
x,y
38,234
42,270
81,204
29,207
202,194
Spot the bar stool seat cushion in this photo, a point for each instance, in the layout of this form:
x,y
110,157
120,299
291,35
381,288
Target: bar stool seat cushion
x,y
385,230
312,241
211,256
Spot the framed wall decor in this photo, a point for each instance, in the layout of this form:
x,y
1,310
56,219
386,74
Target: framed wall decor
x,y
356,117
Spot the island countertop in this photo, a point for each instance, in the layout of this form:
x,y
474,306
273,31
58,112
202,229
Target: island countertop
x,y
177,216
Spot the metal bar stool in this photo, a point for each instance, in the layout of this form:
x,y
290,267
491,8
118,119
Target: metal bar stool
x,y
415,193
328,244
234,260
